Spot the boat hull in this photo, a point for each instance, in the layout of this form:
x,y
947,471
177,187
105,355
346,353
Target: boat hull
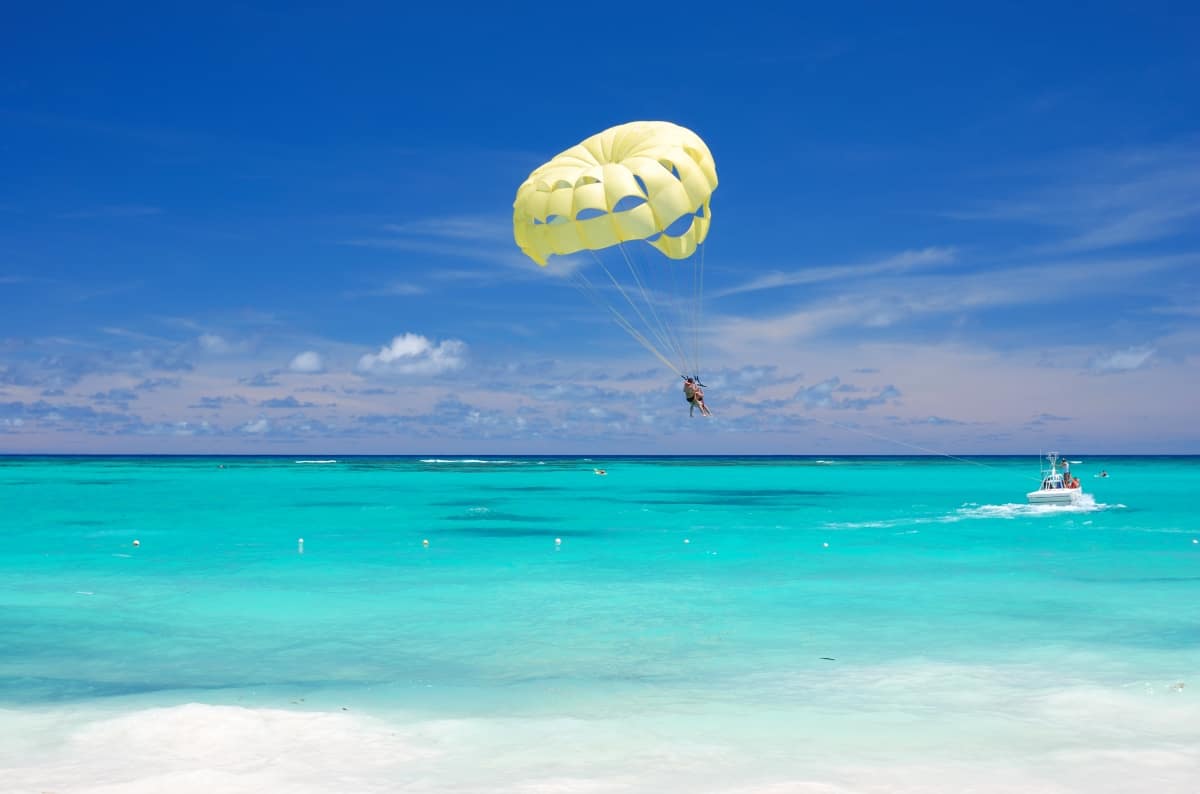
x,y
1056,496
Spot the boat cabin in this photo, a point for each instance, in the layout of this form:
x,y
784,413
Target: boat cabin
x,y
1052,482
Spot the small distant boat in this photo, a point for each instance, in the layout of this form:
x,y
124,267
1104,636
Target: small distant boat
x,y
1058,488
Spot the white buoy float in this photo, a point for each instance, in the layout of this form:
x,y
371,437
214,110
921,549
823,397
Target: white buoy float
x,y
137,543
685,540
300,546
558,541
425,543
825,545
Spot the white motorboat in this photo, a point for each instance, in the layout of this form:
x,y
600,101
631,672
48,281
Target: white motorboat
x,y
1058,488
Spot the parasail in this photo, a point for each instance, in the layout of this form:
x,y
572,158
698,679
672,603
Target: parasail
x,y
642,190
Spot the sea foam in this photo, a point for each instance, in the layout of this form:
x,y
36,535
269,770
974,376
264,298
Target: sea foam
x,y
201,748
907,727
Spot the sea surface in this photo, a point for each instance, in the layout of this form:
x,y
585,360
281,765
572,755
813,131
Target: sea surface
x,y
671,625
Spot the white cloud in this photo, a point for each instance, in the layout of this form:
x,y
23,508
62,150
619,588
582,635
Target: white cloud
x,y
1121,361
212,343
309,361
824,395
256,427
413,354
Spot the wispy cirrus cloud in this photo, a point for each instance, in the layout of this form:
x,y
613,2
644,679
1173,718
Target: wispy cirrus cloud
x,y
109,211
890,301
1120,361
1108,199
902,262
392,289
457,227
480,238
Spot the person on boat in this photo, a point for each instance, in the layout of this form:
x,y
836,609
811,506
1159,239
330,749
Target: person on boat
x,y
694,394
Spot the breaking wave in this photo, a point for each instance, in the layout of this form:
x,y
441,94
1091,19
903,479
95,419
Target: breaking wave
x,y
462,460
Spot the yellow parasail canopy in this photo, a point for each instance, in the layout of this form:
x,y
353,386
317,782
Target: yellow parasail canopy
x,y
634,181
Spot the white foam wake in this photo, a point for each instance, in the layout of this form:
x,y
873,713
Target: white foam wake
x,y
1086,504
316,461
970,510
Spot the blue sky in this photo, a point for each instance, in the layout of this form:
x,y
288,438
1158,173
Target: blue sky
x,y
287,228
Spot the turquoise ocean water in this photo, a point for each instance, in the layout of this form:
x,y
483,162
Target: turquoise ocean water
x,y
703,625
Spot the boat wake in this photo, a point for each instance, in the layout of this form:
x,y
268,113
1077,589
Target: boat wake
x,y
972,510
1085,504
316,461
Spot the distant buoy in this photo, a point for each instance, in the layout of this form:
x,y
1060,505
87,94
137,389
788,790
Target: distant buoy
x,y
826,545
300,546
685,540
558,541
137,543
425,543
1194,540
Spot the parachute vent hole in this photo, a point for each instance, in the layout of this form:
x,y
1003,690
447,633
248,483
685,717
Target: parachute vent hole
x,y
667,164
627,203
555,219
680,226
641,183
587,213
562,183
